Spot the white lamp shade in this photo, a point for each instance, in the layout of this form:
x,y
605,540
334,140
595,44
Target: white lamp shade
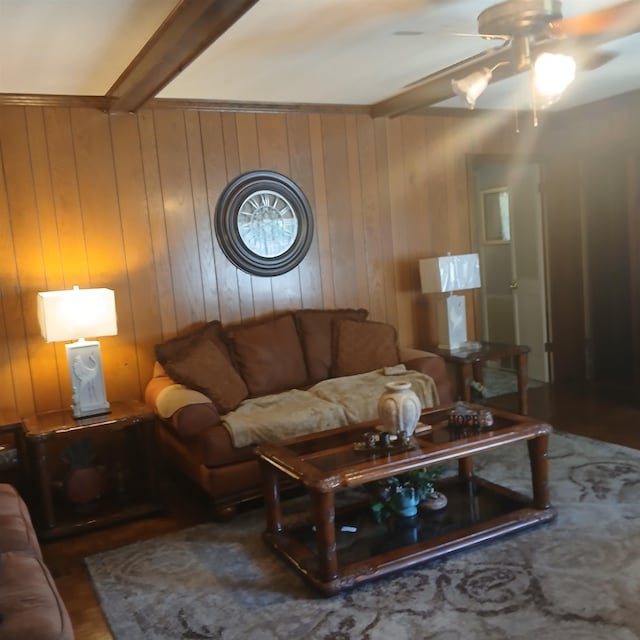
x,y
471,87
450,273
77,313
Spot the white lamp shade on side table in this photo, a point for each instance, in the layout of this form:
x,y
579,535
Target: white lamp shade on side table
x,y
445,275
77,314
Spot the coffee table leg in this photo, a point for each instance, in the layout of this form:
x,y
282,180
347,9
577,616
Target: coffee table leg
x,y
324,518
271,497
540,470
465,468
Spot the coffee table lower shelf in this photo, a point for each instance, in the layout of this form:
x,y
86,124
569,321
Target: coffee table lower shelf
x,y
477,511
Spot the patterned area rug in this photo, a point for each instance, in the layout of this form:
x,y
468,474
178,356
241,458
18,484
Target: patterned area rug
x,y
577,578
499,382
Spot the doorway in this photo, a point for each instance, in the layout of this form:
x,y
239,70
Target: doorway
x,y
508,236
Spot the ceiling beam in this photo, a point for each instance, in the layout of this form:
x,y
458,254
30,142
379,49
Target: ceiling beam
x,y
437,86
190,28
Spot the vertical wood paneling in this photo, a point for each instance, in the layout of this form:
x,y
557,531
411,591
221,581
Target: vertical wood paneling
x,y
322,215
103,238
565,267
336,174
42,356
204,230
8,279
129,202
234,168
383,171
357,218
398,216
215,165
157,226
20,272
173,160
75,262
273,151
259,297
299,152
137,244
371,226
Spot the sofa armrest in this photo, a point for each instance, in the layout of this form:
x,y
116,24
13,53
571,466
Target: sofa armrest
x,y
165,396
189,411
433,365
410,353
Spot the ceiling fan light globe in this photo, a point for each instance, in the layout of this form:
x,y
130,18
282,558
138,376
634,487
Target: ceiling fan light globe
x,y
471,87
553,73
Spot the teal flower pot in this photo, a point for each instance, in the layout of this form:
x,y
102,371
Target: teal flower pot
x,y
406,503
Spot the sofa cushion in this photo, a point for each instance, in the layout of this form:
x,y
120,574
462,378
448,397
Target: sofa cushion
x,y
316,331
201,365
29,601
16,530
363,346
171,349
269,355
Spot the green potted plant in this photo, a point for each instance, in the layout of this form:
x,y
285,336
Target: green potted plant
x,y
401,494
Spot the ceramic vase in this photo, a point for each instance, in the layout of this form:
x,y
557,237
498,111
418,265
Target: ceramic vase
x,y
399,408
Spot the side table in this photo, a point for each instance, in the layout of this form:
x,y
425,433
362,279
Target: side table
x,y
123,444
468,361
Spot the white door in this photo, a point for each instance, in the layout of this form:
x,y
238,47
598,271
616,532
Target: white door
x,y
510,244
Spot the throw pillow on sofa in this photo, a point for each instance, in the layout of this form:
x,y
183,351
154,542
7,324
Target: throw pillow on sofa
x,y
173,348
360,347
269,355
201,365
316,331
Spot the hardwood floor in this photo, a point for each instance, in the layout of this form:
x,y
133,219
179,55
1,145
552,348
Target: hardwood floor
x,y
607,414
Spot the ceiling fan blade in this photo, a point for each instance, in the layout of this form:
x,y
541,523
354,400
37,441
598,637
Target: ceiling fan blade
x,y
594,58
614,21
436,87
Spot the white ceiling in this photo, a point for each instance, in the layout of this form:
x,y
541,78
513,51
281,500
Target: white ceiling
x,y
284,51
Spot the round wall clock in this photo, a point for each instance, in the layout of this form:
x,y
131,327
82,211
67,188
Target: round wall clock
x,y
264,223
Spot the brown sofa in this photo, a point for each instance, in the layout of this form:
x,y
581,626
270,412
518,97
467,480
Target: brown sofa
x,y
30,605
216,372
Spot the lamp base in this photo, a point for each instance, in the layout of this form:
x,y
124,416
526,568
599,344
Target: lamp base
x,y
89,397
452,322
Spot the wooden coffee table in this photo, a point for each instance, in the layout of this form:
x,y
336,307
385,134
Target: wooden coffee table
x,y
336,545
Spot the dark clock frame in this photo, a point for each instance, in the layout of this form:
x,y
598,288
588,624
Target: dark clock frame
x,y
228,234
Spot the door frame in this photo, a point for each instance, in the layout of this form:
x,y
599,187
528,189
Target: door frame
x,y
474,160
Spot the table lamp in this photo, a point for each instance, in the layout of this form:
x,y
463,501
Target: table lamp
x,y
445,275
77,314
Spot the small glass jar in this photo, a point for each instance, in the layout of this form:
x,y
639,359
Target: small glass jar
x,y
486,419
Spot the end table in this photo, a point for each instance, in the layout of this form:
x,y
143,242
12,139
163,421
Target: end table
x,y
123,442
468,361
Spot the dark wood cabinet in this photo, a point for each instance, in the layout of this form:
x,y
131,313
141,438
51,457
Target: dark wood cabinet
x,y
92,472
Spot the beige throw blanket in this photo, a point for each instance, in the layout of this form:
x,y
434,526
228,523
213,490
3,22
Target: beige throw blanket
x,y
330,403
281,415
359,394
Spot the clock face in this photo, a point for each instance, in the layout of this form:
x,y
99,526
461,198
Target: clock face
x,y
264,223
267,223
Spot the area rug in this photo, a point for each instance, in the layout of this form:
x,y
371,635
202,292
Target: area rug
x,y
577,578
500,382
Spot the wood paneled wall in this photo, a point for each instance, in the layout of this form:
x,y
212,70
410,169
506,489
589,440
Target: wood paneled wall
x,y
591,231
127,202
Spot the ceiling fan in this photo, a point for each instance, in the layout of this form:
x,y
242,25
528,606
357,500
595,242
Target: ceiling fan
x,y
526,29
